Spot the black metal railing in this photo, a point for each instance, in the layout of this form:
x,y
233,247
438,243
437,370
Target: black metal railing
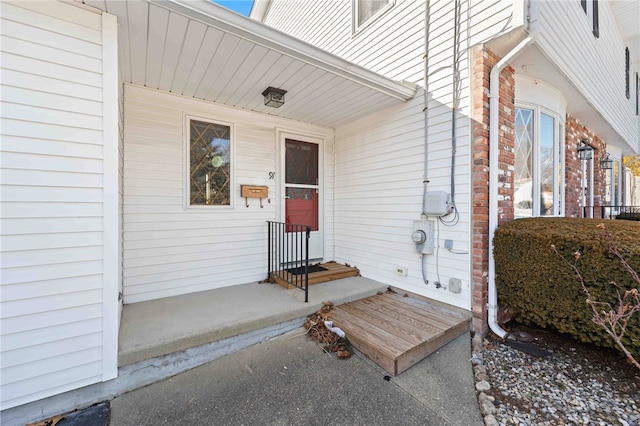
x,y
288,254
612,212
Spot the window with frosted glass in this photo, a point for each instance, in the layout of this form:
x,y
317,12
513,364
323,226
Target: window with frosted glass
x,y
523,179
209,164
538,169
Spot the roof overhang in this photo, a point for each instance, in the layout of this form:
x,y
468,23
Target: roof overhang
x,y
202,50
627,15
534,63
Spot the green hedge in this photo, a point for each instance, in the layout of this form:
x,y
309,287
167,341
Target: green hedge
x,y
535,282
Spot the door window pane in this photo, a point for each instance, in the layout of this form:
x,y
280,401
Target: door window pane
x,y
301,162
523,180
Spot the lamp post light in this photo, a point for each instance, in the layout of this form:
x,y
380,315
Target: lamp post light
x,y
585,151
606,163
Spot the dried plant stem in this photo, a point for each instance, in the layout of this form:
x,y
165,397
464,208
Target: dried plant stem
x,y
613,321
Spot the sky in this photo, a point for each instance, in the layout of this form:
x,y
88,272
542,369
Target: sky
x,y
243,7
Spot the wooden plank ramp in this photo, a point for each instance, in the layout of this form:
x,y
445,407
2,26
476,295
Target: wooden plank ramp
x,y
397,332
335,271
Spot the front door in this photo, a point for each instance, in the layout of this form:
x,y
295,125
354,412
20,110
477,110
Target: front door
x,y
302,201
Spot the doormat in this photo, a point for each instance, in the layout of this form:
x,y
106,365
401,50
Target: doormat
x,y
301,270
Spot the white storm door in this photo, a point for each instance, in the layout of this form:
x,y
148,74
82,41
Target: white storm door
x,y
302,195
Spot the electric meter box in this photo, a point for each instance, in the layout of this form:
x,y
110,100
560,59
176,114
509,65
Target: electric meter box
x,y
423,236
437,203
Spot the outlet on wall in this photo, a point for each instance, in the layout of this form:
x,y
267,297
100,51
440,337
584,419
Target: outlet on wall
x,y
401,270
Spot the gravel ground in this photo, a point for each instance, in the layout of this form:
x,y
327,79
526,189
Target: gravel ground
x,y
576,384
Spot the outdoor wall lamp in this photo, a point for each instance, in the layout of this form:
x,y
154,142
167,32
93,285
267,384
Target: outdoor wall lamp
x,y
585,151
273,97
606,163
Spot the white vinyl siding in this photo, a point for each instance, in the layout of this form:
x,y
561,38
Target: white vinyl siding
x,y
378,195
171,250
595,65
379,159
52,302
391,45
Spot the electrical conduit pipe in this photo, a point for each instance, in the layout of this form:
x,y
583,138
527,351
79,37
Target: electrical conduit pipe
x,y
494,150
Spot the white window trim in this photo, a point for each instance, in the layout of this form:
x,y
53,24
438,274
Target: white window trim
x,y
355,29
559,149
187,163
537,95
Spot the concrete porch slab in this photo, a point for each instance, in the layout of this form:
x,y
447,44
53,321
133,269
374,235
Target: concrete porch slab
x,y
160,327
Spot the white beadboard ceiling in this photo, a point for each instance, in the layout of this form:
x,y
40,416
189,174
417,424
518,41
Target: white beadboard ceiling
x,y
202,50
627,14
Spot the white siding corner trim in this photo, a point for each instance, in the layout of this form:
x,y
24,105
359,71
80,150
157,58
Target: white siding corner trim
x,y
111,254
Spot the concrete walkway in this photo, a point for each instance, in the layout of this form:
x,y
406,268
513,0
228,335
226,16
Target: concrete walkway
x,y
289,380
194,341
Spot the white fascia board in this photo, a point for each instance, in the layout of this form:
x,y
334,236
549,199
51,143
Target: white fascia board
x,y
218,17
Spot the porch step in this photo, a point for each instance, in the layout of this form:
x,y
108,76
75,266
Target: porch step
x,y
334,271
164,326
397,332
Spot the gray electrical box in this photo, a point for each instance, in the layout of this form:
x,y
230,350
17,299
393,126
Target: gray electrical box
x,y
423,236
455,285
437,203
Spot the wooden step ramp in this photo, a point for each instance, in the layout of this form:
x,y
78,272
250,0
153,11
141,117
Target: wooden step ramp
x,y
334,271
397,332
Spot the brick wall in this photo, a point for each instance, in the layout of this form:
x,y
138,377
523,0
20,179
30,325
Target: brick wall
x,y
483,60
575,131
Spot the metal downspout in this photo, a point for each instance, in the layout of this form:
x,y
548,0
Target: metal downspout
x,y
494,149
425,111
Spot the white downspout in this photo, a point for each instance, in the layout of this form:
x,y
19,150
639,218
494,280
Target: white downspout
x,y
494,149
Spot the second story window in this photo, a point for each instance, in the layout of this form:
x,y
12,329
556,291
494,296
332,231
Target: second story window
x,y
366,11
627,74
590,7
637,94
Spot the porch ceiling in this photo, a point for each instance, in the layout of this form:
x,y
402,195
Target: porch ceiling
x,y
199,49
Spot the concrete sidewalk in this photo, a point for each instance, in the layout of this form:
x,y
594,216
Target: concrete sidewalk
x,y
291,381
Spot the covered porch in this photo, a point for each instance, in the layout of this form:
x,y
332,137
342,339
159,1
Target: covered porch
x,y
174,334
227,315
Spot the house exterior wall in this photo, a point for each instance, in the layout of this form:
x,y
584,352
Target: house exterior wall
x,y
170,249
595,65
328,25
59,323
378,195
484,60
375,209
511,87
563,33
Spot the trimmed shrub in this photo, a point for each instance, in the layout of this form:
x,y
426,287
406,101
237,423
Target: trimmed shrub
x,y
535,282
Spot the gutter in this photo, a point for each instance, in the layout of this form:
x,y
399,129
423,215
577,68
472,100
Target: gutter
x,y
494,149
